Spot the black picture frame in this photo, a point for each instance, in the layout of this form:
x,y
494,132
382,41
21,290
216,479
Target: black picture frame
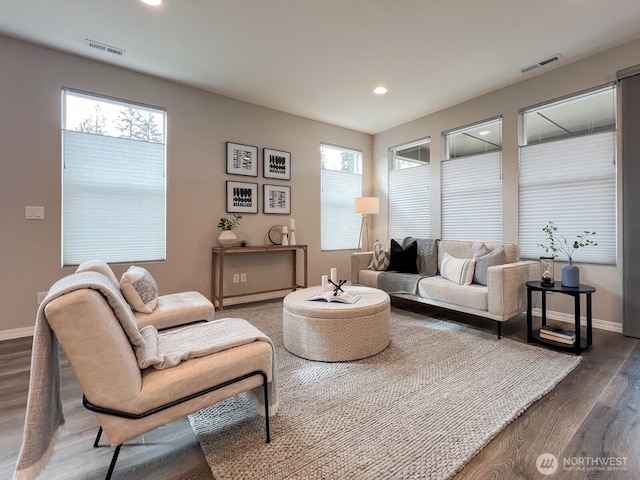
x,y
242,197
276,199
242,159
276,164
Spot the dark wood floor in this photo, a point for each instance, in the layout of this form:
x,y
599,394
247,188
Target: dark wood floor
x,y
591,416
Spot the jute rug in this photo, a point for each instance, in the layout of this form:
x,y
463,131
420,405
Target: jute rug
x,y
422,408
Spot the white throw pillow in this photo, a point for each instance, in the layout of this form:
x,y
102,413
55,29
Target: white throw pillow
x,y
139,289
457,270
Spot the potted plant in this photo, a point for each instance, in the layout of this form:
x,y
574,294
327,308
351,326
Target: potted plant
x,y
228,237
556,243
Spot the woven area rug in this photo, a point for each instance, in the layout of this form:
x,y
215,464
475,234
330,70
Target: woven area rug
x,y
422,408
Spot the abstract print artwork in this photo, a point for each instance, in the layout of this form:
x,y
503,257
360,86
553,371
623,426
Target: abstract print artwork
x,y
277,164
242,159
242,197
277,199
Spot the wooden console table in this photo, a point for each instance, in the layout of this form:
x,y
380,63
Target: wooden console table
x,y
217,267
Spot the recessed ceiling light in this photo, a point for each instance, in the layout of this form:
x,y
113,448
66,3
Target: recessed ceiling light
x,y
380,90
153,3
484,133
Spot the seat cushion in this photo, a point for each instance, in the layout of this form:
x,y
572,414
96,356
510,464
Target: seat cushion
x,y
162,386
443,290
177,309
368,277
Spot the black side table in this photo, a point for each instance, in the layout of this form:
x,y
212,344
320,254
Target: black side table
x,y
533,336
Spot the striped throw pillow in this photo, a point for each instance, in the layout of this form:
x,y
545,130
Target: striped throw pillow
x,y
457,270
380,259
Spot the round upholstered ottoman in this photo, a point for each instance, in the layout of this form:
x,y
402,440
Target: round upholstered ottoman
x,y
335,332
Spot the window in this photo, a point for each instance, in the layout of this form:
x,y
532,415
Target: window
x,y
472,183
409,192
341,183
568,175
113,180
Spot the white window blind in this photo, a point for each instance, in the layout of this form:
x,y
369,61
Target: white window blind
x,y
113,196
472,197
409,202
340,225
572,183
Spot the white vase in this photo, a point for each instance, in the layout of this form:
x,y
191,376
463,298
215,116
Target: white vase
x,y
227,238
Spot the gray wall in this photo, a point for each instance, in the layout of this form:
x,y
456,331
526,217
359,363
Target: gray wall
x,y
199,125
572,78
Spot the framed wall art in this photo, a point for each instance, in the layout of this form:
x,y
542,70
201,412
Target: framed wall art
x,y
242,159
242,197
277,199
277,164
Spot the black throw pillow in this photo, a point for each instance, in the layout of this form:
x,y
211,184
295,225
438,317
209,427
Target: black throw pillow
x,y
403,259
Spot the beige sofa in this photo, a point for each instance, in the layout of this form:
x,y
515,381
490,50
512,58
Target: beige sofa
x,y
502,298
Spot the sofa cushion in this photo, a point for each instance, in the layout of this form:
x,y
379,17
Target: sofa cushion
x,y
139,289
457,270
467,249
403,259
380,258
442,290
496,257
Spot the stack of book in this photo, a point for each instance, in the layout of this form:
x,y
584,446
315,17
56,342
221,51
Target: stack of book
x,y
548,332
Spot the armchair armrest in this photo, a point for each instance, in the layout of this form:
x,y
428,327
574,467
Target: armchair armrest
x,y
359,261
506,287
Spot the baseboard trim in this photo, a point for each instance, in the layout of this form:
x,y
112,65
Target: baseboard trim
x,y
228,302
569,318
16,333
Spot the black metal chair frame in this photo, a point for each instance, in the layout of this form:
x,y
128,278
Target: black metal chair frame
x,y
134,416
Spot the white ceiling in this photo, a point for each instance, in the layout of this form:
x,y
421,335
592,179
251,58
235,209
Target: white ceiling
x,y
321,59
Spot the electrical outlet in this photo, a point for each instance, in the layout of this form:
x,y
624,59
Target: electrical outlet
x,y
243,277
236,278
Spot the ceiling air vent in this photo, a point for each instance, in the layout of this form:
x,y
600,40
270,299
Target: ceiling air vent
x,y
104,47
541,63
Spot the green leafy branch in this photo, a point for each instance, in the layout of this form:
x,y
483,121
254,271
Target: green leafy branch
x,y
560,243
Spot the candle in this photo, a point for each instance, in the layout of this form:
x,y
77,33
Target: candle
x,y
334,275
292,224
285,230
325,283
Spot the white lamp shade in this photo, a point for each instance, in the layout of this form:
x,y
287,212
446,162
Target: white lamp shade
x,y
367,205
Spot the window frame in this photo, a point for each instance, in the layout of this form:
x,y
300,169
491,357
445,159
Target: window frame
x,y
130,226
584,181
409,209
339,224
472,179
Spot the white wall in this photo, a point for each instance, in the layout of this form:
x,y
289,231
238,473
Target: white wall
x,y
199,125
581,75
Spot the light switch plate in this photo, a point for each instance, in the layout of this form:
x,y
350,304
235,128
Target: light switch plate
x,y
34,213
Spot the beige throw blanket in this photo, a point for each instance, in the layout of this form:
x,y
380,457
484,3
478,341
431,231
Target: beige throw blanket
x,y
44,417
